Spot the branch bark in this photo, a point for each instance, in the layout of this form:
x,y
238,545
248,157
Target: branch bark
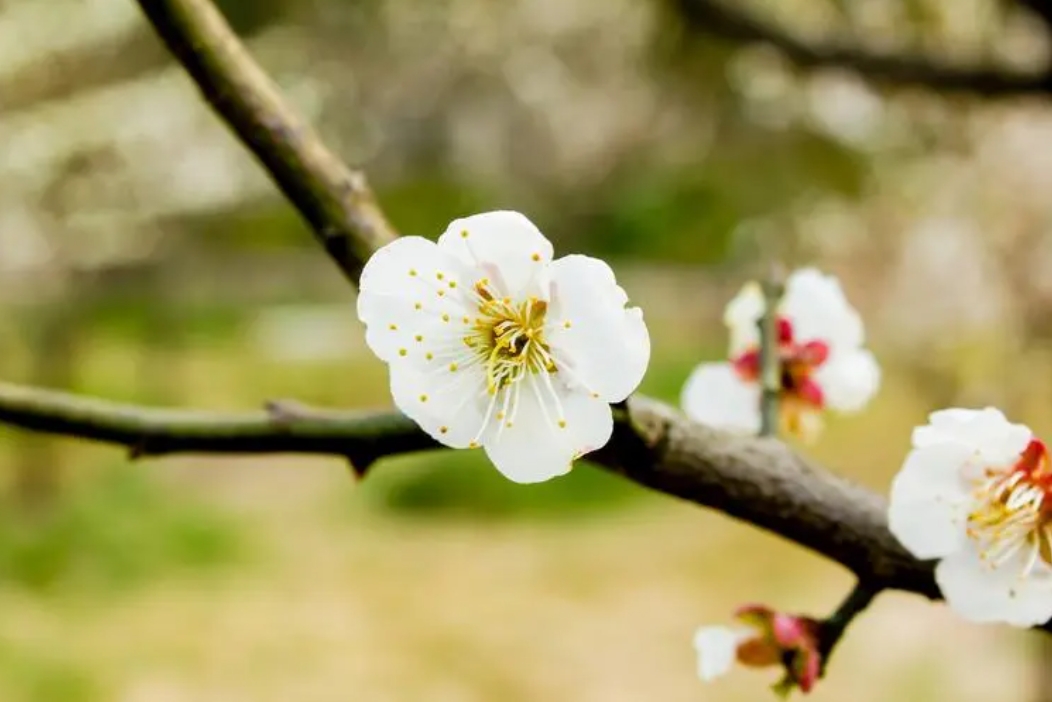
x,y
336,201
758,480
724,18
362,437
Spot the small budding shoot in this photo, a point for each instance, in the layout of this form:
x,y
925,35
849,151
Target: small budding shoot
x,y
763,638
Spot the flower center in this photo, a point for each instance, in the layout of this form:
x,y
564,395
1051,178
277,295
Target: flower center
x,y
798,364
1014,512
508,337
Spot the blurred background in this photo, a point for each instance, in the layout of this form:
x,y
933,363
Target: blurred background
x,y
144,257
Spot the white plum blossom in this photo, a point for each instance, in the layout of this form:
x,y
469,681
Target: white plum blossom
x,y
492,344
820,345
974,492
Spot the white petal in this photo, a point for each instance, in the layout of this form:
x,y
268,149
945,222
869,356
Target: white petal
x,y
929,499
398,333
536,447
815,305
741,317
405,316
715,395
506,247
391,269
450,406
985,431
717,649
605,346
849,380
960,423
981,594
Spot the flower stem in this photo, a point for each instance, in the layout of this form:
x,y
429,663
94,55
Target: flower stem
x,y
770,363
831,629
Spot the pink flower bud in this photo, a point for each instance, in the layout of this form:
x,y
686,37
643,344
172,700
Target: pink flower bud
x,y
768,638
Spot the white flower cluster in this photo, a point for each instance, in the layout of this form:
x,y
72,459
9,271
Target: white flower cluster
x,y
823,362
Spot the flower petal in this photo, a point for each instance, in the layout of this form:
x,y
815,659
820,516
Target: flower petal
x,y
848,380
929,499
603,345
551,426
717,649
411,301
450,406
741,317
985,431
408,267
959,424
506,247
715,395
979,593
816,306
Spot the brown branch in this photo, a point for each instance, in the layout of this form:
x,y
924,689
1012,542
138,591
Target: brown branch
x,y
336,202
831,629
760,481
81,69
361,437
726,19
757,480
763,482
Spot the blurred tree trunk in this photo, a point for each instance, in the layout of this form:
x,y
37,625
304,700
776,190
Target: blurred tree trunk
x,y
53,362
160,337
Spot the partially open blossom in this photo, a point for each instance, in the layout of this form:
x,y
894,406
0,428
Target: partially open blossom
x,y
491,343
976,492
763,638
823,363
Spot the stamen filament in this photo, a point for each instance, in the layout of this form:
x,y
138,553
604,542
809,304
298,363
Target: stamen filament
x,y
1011,514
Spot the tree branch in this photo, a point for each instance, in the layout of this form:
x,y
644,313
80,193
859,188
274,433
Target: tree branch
x,y
362,437
726,19
80,69
831,629
336,202
757,480
760,481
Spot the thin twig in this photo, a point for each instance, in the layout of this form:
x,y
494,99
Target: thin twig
x,y
360,436
770,359
336,201
727,19
832,629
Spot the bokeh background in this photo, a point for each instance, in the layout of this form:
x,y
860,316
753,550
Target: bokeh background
x,y
143,257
